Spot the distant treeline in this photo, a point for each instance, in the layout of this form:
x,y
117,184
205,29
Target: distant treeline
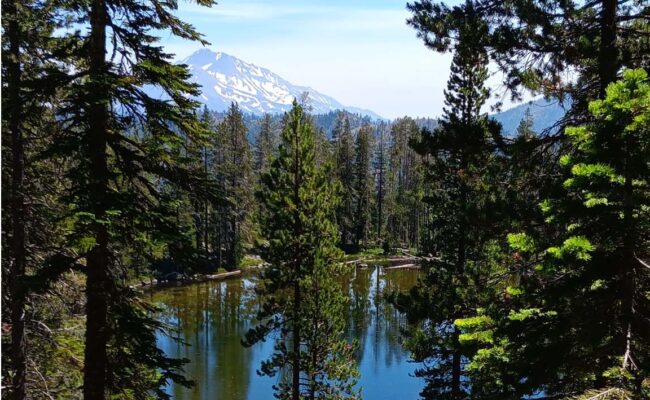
x,y
379,176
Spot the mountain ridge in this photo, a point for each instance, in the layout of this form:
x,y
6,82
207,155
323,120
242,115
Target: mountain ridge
x,y
545,113
224,79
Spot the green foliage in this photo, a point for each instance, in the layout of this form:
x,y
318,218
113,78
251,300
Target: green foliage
x,y
476,330
578,312
345,171
233,170
403,191
302,302
461,164
521,242
533,43
265,145
363,185
123,149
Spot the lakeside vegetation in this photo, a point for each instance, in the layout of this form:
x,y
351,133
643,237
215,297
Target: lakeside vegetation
x,y
534,249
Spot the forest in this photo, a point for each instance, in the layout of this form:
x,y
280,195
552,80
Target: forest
x,y
532,249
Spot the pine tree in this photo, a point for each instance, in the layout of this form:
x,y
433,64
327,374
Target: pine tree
x,y
302,302
265,145
525,127
593,39
403,184
577,319
363,185
459,156
325,152
29,81
381,160
12,77
235,167
120,138
200,155
345,173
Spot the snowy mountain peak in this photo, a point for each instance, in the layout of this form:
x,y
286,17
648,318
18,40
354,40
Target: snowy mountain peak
x,y
225,79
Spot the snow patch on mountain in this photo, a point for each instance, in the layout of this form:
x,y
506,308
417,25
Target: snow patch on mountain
x,y
225,79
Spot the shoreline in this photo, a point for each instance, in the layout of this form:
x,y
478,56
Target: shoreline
x,y
155,284
388,263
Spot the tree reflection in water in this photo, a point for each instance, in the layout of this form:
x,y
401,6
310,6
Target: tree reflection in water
x,y
212,317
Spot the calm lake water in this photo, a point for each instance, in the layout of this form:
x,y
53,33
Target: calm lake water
x,y
212,318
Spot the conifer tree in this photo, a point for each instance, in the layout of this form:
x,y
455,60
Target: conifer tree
x,y
577,317
459,155
121,137
403,184
235,168
532,175
363,185
525,127
302,302
30,79
265,145
381,160
201,156
592,39
345,173
325,150
14,110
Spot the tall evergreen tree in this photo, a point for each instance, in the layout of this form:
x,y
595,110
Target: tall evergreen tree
x,y
30,80
577,318
302,302
325,151
120,138
363,185
459,156
403,184
14,111
345,173
235,167
525,128
265,145
593,40
201,156
381,160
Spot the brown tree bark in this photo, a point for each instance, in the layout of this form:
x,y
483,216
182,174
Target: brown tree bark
x,y
608,58
295,373
98,276
14,78
455,371
627,268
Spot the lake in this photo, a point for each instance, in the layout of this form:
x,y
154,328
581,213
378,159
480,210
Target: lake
x,y
212,317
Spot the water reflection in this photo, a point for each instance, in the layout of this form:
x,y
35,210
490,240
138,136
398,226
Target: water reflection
x,y
212,318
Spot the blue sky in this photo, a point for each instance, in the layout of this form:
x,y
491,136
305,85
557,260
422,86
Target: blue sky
x,y
360,52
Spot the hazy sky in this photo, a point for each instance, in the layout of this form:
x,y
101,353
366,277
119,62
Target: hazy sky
x,y
360,52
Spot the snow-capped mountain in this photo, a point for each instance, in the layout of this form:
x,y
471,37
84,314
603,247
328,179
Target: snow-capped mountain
x,y
225,79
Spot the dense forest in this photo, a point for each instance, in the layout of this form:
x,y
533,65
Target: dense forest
x,y
533,248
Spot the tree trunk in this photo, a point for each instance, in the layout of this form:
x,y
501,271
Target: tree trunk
x,y
206,218
297,227
380,191
98,277
460,272
295,373
455,371
625,334
608,59
17,204
220,241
